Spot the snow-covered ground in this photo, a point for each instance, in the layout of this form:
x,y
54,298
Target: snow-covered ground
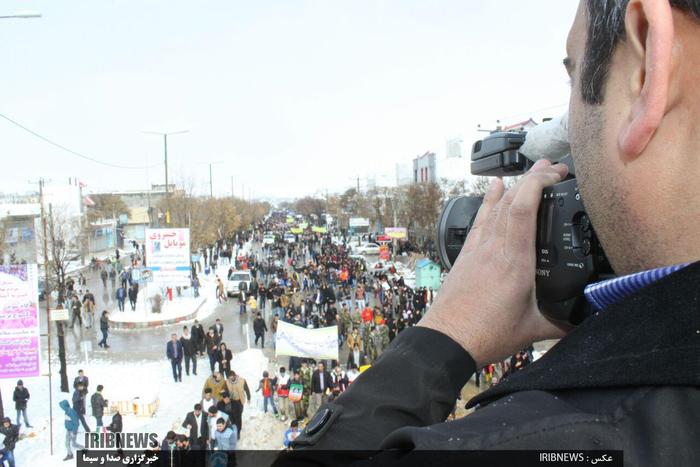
x,y
147,380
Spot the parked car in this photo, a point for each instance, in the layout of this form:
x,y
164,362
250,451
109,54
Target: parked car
x,y
268,239
290,237
234,281
366,249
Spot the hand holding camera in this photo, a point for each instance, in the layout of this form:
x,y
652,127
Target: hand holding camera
x,y
488,303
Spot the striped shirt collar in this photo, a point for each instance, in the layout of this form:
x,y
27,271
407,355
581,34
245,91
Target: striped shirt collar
x,y
603,294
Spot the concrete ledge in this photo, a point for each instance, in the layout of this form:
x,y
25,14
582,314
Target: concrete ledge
x,y
119,325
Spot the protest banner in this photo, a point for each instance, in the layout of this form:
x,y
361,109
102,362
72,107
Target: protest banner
x,y
295,341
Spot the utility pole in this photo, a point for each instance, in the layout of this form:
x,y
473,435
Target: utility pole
x,y
48,307
165,150
211,186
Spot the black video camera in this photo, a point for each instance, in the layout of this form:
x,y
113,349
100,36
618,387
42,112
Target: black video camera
x,y
569,255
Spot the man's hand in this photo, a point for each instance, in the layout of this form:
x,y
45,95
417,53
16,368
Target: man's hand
x,y
487,303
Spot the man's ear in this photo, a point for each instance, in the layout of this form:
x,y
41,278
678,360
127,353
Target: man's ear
x,y
649,37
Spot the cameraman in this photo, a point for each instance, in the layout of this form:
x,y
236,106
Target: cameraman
x,y
628,377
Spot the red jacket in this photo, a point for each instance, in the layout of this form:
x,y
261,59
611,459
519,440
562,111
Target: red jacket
x,y
367,315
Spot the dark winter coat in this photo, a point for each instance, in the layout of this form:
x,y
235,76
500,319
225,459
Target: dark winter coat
x,y
198,334
82,379
104,323
188,346
259,326
316,381
20,396
212,343
99,404
610,384
116,425
71,422
79,402
203,428
11,434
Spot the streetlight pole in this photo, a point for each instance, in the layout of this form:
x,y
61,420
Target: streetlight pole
x,y
165,147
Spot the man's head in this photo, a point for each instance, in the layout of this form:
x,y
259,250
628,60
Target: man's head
x,y
80,373
321,366
207,393
173,337
198,408
6,422
185,331
100,388
633,66
212,411
221,424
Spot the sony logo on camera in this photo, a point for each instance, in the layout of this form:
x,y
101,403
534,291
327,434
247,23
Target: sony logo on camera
x,y
129,441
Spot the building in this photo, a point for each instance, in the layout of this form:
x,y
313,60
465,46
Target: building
x,y
19,227
425,168
520,126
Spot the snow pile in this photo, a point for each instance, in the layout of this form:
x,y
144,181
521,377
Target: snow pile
x,y
143,380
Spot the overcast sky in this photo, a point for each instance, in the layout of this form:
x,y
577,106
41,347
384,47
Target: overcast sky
x,y
293,96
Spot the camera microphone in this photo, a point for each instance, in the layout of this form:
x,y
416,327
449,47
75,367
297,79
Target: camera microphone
x,y
549,140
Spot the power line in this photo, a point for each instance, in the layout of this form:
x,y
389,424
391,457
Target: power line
x,y
75,153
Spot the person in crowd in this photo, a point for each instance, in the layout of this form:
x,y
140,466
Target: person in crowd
x,y
104,328
267,386
283,393
356,356
79,405
291,434
71,424
306,373
340,382
121,298
321,385
174,353
219,328
225,436
296,394
76,308
274,322
189,351
198,336
238,388
21,397
89,308
215,383
10,435
220,291
196,423
259,328
98,404
224,358
207,399
213,416
212,341
133,295
81,379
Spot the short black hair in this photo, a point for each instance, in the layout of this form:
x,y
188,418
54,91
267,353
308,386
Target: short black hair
x,y
221,421
198,407
100,387
605,29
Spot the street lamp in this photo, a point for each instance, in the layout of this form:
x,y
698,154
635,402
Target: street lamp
x,y
23,15
165,145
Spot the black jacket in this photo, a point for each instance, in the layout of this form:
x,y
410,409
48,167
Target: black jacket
x,y
20,396
259,326
198,334
611,384
98,404
116,425
203,428
189,347
85,380
11,434
316,381
79,402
